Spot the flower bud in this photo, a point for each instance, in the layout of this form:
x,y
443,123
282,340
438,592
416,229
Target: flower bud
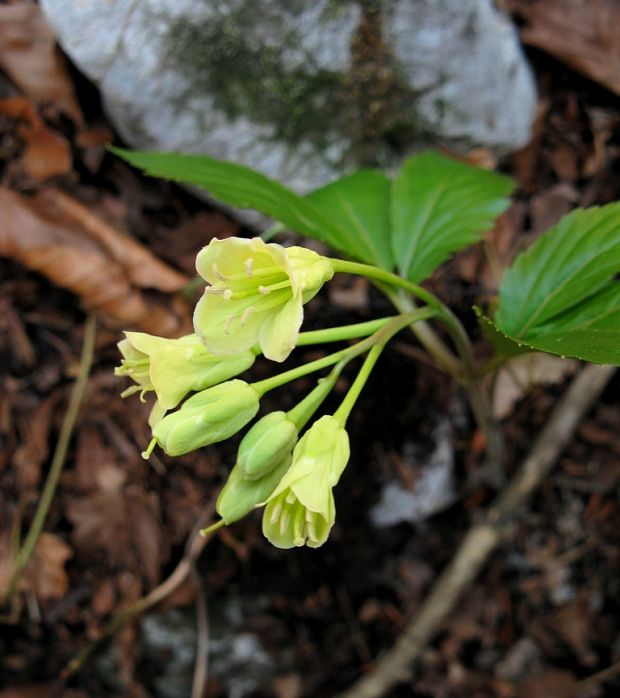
x,y
240,495
266,445
175,367
209,416
301,509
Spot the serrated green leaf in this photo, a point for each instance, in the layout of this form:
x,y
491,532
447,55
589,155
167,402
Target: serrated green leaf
x,y
501,342
562,295
360,205
240,186
440,206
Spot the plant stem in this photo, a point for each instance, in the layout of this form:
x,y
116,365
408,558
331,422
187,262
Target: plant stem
x,y
337,334
444,314
347,354
58,459
343,412
427,338
303,411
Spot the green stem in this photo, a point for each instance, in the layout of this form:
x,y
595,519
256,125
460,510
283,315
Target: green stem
x,y
444,314
347,354
343,412
58,458
303,411
341,265
337,334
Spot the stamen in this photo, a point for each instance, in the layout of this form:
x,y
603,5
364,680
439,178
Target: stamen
x,y
229,320
228,294
299,524
215,290
275,287
291,498
218,274
249,263
246,315
284,521
276,511
131,390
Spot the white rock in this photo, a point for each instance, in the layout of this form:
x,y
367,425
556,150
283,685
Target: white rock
x,y
292,88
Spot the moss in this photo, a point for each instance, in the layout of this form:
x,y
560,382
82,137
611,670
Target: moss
x,y
219,58
370,108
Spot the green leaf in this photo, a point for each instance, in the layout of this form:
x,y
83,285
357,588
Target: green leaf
x,y
360,206
243,187
562,294
440,206
501,342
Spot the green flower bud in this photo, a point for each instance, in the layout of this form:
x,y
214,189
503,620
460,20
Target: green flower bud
x,y
240,495
175,367
210,416
301,510
266,445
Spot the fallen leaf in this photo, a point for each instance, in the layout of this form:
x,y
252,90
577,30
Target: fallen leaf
x,y
45,573
584,35
46,153
38,235
549,684
521,373
142,267
33,446
29,56
125,525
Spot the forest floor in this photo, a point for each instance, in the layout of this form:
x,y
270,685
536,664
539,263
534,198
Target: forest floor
x,y
82,234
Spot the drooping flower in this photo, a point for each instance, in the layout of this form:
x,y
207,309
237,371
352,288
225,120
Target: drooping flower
x,y
255,295
207,417
175,367
301,509
265,454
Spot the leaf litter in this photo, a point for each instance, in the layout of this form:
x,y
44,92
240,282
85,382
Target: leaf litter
x,y
117,524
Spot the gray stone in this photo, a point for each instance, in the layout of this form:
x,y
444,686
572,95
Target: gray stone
x,y
303,91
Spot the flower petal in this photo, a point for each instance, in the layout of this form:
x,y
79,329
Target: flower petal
x,y
278,333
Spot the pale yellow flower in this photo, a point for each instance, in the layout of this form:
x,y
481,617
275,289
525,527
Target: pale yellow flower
x,y
301,509
255,295
175,367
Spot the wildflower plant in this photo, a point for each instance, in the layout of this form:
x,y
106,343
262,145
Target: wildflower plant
x,y
561,295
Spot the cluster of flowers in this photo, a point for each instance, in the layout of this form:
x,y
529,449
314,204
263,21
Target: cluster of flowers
x,y
253,304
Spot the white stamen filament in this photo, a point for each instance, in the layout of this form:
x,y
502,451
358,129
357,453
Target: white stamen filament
x,y
218,274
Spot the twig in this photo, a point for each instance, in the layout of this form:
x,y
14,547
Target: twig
x,y
201,667
482,538
181,572
600,677
58,459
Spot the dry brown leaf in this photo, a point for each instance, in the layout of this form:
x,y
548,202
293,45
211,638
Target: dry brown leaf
x,y
125,525
585,35
39,235
521,373
45,573
46,153
29,56
33,446
549,684
142,267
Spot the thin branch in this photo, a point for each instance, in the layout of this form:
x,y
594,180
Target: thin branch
x,y
482,538
201,667
58,459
